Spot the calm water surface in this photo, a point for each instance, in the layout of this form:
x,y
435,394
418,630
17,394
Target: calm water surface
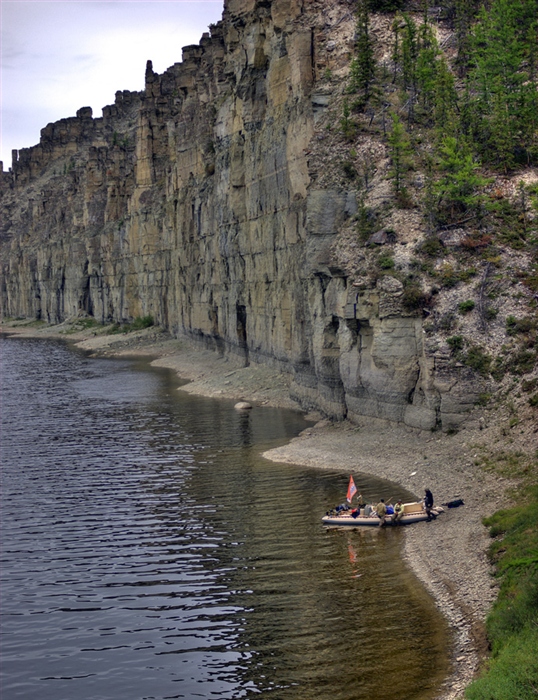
x,y
149,551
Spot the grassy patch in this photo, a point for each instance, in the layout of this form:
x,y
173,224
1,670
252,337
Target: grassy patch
x,y
512,671
34,323
82,324
513,674
139,323
511,465
86,323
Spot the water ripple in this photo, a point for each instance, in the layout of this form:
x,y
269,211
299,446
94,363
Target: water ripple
x,y
150,552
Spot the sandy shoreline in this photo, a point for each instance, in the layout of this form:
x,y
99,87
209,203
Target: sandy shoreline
x,y
448,555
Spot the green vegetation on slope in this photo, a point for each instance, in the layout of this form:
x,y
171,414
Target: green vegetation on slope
x,y
512,671
463,126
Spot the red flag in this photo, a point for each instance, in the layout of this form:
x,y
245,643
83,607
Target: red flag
x,y
351,489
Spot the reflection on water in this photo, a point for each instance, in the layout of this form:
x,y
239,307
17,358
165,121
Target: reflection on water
x,y
150,552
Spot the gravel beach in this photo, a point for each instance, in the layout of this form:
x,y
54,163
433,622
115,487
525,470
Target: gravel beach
x,y
448,555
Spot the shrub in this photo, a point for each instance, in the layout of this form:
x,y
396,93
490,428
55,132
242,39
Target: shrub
x,y
529,385
141,322
455,343
448,277
386,261
446,322
466,306
350,172
432,246
521,325
483,399
413,297
366,222
524,361
499,369
478,360
531,281
476,242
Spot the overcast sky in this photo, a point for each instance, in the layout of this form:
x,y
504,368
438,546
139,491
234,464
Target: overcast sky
x,y
60,56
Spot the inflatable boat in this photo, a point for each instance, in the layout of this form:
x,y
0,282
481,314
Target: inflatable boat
x,y
367,517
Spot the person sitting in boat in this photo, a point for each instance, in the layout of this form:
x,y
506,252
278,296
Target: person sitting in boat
x,y
381,510
398,512
342,507
428,504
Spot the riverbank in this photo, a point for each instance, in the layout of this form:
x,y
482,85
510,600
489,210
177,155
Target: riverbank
x,y
448,555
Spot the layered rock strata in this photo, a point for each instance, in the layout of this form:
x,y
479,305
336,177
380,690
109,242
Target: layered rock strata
x,y
193,202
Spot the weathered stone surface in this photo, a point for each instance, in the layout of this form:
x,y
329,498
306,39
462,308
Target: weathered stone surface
x,y
243,406
192,201
382,237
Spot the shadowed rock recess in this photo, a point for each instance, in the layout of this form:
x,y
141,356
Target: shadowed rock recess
x,y
193,202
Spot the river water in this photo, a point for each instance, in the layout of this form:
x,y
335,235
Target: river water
x,y
149,551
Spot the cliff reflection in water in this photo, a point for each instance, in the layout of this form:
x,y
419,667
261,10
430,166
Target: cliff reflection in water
x,y
149,551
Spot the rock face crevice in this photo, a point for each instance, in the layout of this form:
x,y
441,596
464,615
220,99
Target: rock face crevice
x,y
192,202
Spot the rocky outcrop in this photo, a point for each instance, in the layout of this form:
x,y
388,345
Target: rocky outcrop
x,y
194,202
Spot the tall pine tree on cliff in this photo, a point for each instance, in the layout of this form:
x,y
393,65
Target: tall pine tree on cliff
x,y
363,66
400,151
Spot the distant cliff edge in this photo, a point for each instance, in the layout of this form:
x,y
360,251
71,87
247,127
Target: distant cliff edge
x,y
224,201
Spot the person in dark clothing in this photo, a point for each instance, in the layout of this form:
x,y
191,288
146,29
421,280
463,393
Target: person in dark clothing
x,y
428,504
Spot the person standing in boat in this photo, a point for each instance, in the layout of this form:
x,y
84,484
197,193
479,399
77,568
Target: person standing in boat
x,y
381,511
428,504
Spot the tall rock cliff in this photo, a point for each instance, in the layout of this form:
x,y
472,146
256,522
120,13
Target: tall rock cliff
x,y
203,202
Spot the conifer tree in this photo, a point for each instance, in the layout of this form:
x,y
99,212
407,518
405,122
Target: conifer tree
x,y
457,188
427,67
409,52
405,59
464,17
503,112
363,66
445,99
400,157
396,48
